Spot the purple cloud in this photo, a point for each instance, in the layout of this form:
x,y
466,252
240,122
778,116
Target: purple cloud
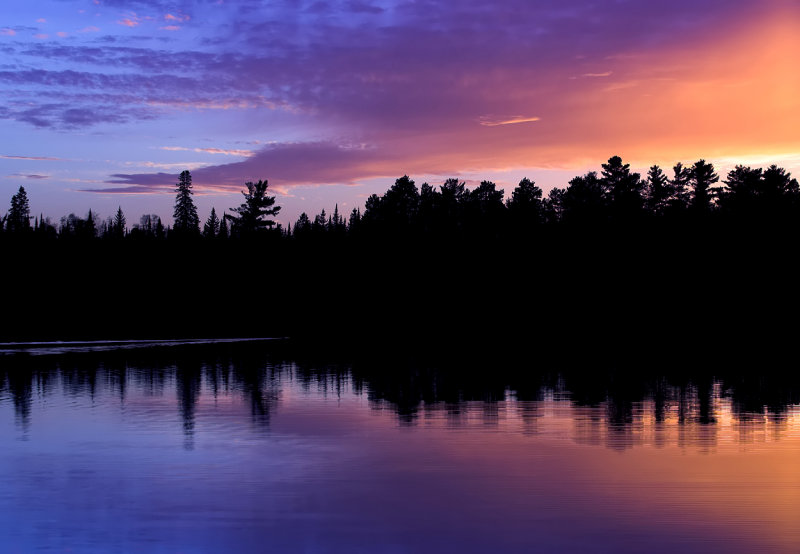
x,y
34,158
283,164
29,176
352,89
65,116
137,189
361,62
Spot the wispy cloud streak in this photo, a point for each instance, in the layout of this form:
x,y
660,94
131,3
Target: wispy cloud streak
x,y
35,158
29,176
490,122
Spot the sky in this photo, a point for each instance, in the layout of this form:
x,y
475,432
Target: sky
x,y
104,102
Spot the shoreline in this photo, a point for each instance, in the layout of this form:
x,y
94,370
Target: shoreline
x,y
65,347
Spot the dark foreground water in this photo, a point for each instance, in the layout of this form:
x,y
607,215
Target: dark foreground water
x,y
235,449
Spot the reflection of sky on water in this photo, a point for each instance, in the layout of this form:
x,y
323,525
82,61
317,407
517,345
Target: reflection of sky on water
x,y
106,462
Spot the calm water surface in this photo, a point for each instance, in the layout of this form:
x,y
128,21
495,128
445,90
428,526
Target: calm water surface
x,y
240,451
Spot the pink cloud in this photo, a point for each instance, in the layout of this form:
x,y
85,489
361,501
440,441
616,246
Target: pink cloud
x,y
131,20
41,36
245,153
8,32
170,28
487,121
90,29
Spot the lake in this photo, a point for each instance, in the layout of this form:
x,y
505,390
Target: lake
x,y
249,447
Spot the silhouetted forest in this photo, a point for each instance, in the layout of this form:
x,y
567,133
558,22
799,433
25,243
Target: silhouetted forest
x,y
615,197
680,260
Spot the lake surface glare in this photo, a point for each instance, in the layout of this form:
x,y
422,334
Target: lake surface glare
x,y
233,449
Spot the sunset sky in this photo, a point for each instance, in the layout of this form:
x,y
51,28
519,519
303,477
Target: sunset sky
x,y
104,102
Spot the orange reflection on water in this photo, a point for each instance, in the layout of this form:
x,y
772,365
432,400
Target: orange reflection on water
x,y
630,463
667,465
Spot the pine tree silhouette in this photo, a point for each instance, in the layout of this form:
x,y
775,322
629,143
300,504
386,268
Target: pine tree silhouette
x,y
254,212
18,219
211,227
187,222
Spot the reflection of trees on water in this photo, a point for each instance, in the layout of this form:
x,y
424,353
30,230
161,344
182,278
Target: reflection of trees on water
x,y
411,387
20,388
22,383
757,393
111,375
188,378
617,408
258,381
217,378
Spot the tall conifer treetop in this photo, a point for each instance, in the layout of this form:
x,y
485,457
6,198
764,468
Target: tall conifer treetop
x,y
18,219
211,227
185,215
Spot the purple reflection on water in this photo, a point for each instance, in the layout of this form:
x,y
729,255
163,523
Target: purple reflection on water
x,y
176,460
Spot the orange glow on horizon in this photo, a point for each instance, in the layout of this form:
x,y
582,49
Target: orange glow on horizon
x,y
733,94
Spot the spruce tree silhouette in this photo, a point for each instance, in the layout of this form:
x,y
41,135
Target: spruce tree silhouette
x,y
320,224
338,224
302,227
18,218
187,223
211,227
118,230
354,222
223,227
89,230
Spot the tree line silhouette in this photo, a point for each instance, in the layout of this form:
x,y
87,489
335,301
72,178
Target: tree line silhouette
x,y
244,221
613,257
615,196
